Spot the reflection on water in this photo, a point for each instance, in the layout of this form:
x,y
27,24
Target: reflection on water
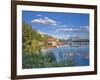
x,y
77,52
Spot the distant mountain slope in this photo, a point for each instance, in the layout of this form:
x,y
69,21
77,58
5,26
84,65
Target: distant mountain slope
x,y
78,39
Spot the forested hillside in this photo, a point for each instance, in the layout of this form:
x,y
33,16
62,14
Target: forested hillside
x,y
32,39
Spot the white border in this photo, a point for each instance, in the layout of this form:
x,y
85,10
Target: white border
x,y
21,71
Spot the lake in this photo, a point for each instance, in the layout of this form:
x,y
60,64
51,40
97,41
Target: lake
x,y
72,52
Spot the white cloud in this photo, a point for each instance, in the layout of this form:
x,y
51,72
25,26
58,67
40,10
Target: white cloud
x,y
68,36
86,28
64,29
41,32
45,21
39,15
64,26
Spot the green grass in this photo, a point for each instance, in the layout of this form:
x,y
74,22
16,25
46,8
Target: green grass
x,y
42,61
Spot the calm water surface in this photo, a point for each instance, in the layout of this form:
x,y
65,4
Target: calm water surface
x,y
75,51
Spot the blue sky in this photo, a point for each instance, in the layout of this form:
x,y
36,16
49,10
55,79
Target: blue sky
x,y
57,24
